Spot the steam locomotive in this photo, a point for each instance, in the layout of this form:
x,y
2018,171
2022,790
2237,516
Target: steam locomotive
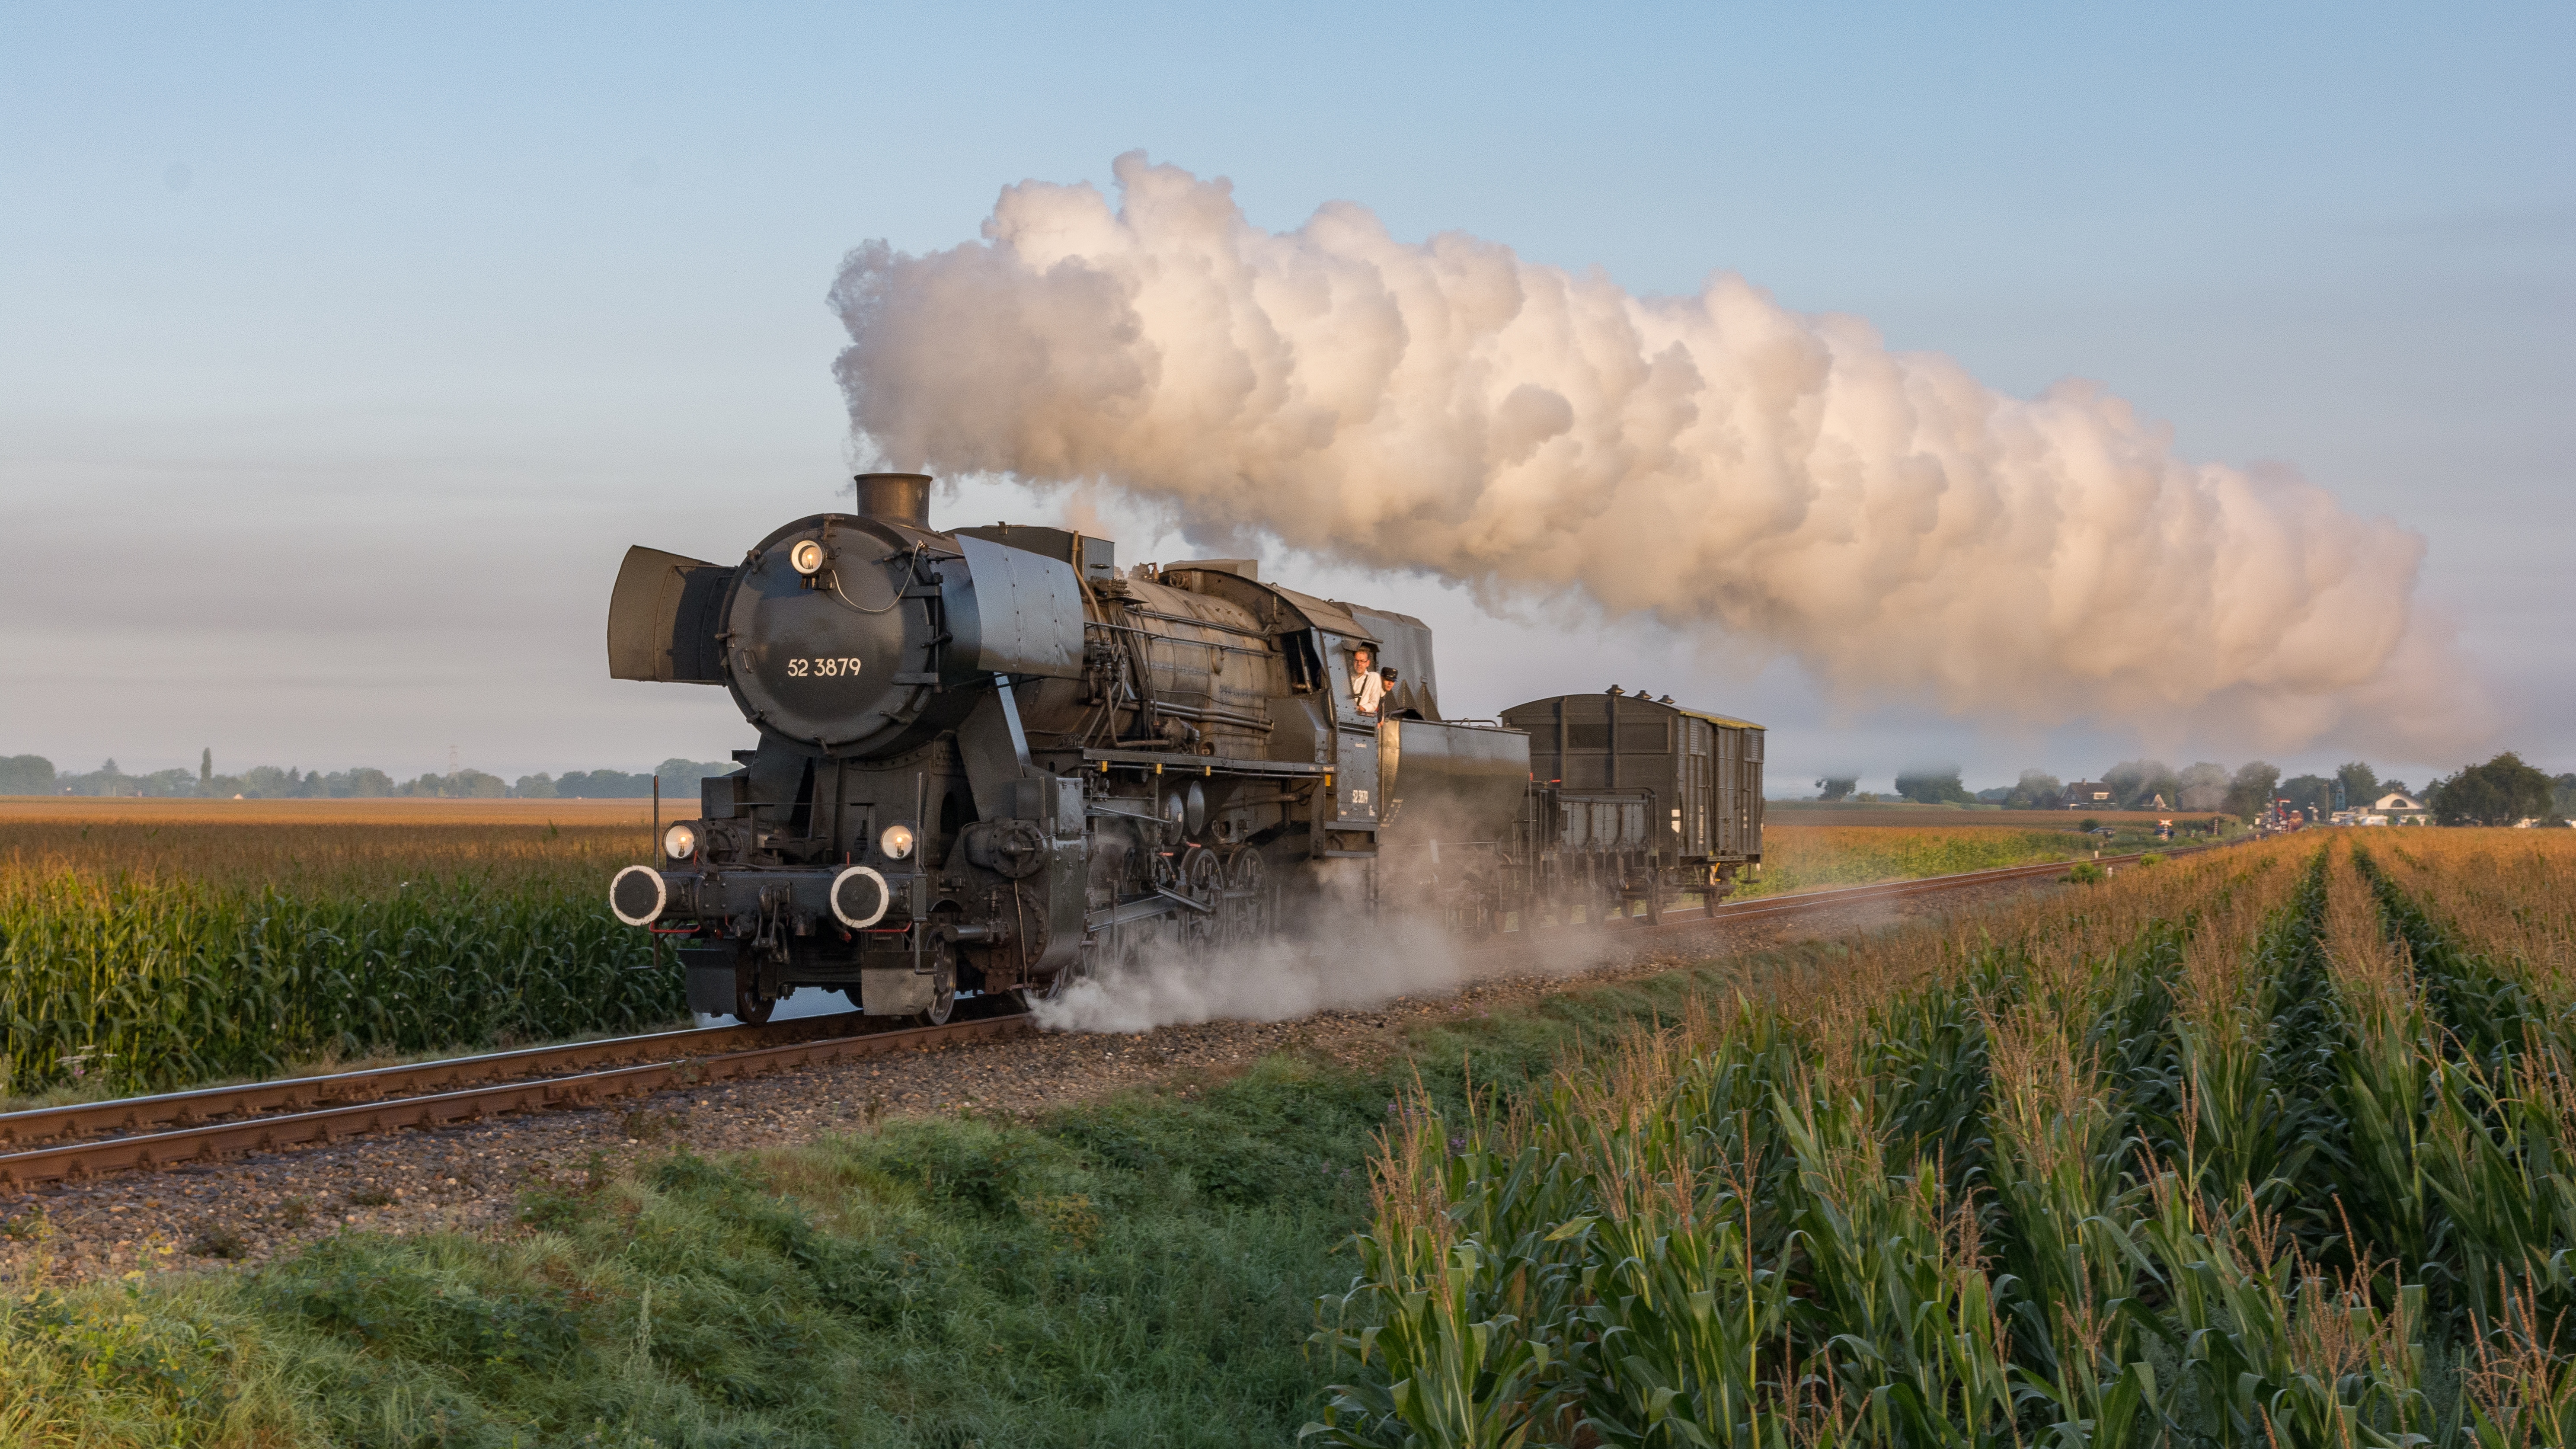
x,y
990,761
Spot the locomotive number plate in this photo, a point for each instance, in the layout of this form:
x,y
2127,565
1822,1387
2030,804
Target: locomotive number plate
x,y
821,667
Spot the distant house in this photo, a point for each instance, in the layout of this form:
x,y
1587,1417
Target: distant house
x,y
2401,809
2090,795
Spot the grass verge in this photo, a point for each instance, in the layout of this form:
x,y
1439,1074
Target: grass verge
x,y
1137,1271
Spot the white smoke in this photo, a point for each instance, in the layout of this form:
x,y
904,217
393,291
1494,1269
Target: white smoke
x,y
1344,956
1716,461
1275,980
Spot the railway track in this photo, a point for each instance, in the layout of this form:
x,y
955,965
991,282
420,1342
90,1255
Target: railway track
x,y
1811,902
54,1144
202,1126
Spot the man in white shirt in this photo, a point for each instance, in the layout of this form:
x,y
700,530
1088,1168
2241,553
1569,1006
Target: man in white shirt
x,y
1368,687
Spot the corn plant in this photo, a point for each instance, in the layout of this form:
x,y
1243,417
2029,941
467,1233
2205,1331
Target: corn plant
x,y
140,982
2273,1351
2200,1162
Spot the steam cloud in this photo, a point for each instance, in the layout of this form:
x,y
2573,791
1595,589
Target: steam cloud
x,y
1717,461
1342,956
1277,980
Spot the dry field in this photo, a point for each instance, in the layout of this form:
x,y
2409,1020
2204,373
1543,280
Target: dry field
x,y
2270,1147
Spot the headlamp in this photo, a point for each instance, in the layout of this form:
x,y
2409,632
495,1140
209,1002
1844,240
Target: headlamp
x,y
680,841
896,842
806,557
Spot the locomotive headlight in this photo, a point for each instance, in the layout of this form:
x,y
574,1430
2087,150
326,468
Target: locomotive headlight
x,y
806,557
896,842
680,841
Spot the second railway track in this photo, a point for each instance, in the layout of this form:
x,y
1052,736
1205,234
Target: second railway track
x,y
54,1144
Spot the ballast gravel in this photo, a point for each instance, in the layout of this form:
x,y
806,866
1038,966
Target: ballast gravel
x,y
470,1177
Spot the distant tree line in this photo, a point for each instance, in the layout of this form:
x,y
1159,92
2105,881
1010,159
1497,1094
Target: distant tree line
x,y
36,775
2502,791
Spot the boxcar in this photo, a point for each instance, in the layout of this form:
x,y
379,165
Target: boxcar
x,y
1650,798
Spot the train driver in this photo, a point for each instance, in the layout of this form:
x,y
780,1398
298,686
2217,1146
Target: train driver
x,y
1368,687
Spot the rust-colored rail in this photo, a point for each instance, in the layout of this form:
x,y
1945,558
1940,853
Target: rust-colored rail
x,y
210,1142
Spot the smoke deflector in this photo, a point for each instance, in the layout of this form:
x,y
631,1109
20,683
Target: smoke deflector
x,y
1014,612
662,618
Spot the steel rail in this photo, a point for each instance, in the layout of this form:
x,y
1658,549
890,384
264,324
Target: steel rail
x,y
295,1094
208,1143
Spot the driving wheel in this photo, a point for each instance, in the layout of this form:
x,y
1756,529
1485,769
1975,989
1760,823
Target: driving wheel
x,y
748,1007
943,985
1247,887
1202,880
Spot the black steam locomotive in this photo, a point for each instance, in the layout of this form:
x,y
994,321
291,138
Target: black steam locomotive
x,y
990,761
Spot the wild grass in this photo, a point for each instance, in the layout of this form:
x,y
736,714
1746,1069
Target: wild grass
x,y
142,955
2265,1156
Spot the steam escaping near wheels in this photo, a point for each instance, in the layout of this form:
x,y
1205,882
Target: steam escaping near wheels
x,y
1347,958
1714,461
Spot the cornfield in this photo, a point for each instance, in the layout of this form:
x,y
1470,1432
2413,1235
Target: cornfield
x,y
2274,1148
1810,857
147,953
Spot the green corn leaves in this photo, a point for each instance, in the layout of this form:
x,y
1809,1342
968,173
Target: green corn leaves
x,y
2282,1166
161,983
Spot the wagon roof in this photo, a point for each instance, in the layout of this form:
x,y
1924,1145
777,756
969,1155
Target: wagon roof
x,y
1727,720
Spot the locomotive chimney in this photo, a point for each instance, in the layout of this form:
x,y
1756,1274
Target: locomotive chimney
x,y
896,498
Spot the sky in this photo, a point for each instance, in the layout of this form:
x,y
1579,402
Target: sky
x,y
344,350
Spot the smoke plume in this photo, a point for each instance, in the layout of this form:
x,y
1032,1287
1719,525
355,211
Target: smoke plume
x,y
1715,461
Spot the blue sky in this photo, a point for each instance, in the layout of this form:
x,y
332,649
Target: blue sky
x,y
343,349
